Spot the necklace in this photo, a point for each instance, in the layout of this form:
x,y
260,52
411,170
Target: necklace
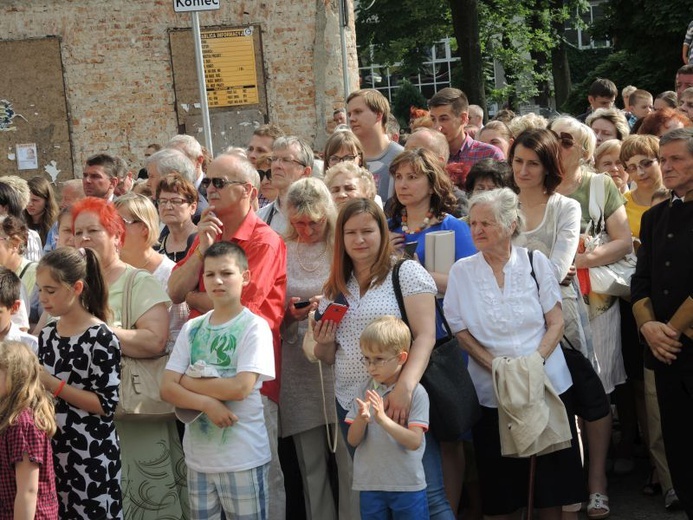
x,y
424,224
317,258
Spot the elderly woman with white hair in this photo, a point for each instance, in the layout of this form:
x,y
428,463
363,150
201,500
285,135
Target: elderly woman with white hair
x,y
608,123
516,314
577,149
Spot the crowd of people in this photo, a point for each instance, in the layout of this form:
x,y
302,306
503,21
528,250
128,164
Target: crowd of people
x,y
291,300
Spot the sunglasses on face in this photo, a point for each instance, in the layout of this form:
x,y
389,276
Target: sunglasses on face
x,y
218,182
265,174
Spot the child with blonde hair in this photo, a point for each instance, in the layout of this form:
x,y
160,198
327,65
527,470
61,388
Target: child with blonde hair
x,y
27,421
388,467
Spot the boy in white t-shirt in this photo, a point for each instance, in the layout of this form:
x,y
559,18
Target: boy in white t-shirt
x,y
217,367
388,467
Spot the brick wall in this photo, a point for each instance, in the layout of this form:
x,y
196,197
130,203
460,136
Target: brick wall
x,y
117,64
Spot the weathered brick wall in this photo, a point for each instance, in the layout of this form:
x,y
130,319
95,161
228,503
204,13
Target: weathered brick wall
x,y
117,64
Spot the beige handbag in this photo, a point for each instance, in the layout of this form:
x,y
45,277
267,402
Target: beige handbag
x,y
140,378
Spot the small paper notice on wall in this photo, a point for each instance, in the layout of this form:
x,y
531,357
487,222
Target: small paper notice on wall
x,y
27,159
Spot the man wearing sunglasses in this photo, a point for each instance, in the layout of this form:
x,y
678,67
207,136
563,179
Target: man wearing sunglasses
x,y
292,159
230,184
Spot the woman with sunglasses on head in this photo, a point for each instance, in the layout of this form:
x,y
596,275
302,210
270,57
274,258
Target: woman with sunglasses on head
x,y
577,149
176,200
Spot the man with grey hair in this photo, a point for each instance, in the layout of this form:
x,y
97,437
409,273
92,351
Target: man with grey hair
x,y
292,159
124,176
476,116
661,291
192,149
230,217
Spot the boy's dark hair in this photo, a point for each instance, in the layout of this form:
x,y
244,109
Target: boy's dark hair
x,y
498,172
450,96
10,287
602,87
225,248
686,69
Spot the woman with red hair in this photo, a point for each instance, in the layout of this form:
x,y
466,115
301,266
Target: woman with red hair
x,y
660,122
154,473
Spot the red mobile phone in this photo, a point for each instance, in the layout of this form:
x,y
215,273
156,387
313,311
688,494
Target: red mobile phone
x,y
334,312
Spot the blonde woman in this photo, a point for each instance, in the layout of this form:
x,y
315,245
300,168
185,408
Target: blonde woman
x,y
141,228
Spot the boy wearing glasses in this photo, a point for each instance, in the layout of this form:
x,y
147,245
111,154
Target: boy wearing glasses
x,y
388,468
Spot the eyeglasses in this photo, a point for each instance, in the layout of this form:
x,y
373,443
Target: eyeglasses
x,y
160,203
375,362
567,141
336,159
286,160
218,182
265,174
642,165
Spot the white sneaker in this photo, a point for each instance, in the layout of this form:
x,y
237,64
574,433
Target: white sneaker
x,y
671,501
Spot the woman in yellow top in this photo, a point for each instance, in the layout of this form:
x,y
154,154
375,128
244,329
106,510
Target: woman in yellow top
x,y
639,156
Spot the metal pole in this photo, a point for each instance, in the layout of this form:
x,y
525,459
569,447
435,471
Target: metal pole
x,y
343,24
199,62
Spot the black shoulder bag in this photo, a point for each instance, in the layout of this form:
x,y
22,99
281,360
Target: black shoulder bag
x,y
590,401
454,405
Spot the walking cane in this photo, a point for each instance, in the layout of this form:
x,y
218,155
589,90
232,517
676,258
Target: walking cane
x,y
530,492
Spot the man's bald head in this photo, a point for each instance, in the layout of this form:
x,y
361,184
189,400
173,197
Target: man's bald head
x,y
431,140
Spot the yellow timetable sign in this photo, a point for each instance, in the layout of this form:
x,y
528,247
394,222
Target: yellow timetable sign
x,y
229,57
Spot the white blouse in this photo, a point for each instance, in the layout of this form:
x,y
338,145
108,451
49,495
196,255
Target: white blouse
x,y
558,234
379,300
509,321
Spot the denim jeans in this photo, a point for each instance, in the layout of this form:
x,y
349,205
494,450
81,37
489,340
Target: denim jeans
x,y
438,506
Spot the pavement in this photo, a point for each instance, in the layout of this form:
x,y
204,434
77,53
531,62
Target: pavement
x,y
628,503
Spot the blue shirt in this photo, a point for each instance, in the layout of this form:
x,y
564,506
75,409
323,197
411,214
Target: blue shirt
x,y
464,246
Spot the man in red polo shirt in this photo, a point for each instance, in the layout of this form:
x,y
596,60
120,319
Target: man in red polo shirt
x,y
230,183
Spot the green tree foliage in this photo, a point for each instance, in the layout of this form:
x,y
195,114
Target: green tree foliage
x,y
524,36
401,30
647,36
406,96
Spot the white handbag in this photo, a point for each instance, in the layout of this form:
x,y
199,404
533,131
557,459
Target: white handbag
x,y
612,279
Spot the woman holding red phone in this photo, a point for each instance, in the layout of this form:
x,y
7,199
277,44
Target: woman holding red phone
x,y
361,275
